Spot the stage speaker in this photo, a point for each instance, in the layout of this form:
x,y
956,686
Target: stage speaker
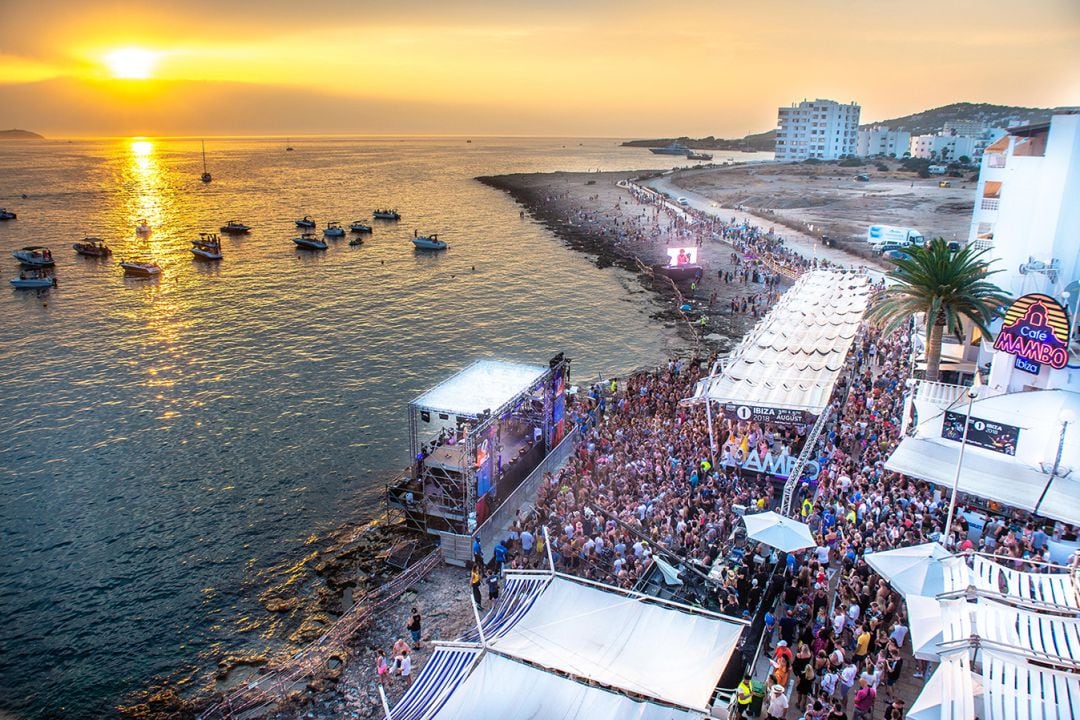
x,y
425,416
553,362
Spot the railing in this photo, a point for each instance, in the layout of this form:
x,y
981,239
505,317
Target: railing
x,y
990,203
272,688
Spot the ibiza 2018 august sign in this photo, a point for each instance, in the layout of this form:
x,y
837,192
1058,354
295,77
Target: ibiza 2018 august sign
x,y
1036,331
766,414
988,434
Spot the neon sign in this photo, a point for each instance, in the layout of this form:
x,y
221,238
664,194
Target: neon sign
x,y
1036,331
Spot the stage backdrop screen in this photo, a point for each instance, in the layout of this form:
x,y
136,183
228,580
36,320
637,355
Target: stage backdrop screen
x,y
682,256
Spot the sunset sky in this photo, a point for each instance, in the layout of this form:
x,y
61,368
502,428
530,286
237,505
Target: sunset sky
x,y
540,67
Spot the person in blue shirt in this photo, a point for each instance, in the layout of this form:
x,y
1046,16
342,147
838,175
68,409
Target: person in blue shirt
x,y
500,555
476,549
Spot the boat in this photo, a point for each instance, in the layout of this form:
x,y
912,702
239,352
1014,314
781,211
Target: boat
x,y
34,256
206,176
207,247
386,215
307,222
92,247
36,281
672,149
691,155
308,241
288,146
334,229
356,241
140,268
429,242
143,228
359,227
234,227
6,214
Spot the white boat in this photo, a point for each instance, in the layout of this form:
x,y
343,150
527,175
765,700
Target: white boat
x,y
140,268
308,241
334,229
207,247
429,242
34,256
206,176
235,227
143,228
386,215
34,281
92,247
6,214
306,222
359,227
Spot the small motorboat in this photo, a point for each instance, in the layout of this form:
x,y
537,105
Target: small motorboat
x,y
34,256
308,241
386,215
356,241
307,222
35,280
429,242
140,268
359,227
6,214
92,247
143,228
691,155
235,227
207,247
334,229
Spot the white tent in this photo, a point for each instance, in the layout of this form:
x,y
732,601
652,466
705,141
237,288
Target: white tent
x,y
775,530
953,692
622,640
914,570
503,689
1019,690
794,355
1055,591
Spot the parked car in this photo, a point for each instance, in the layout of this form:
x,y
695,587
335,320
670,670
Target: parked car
x,y
862,177
896,255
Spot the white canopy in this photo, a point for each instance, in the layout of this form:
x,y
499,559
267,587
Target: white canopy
x,y
484,385
504,689
914,570
1018,690
997,478
775,530
926,626
1045,634
620,640
953,692
795,353
1052,590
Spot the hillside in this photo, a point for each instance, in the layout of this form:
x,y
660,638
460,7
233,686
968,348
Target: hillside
x,y
927,121
19,135
930,121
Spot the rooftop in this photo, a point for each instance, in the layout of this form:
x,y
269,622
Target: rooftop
x,y
484,385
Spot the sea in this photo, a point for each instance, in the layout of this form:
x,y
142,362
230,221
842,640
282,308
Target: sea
x,y
170,449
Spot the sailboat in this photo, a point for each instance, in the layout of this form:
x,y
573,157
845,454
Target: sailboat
x,y
206,176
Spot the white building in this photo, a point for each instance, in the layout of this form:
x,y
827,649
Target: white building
x,y
884,141
931,147
1027,215
822,129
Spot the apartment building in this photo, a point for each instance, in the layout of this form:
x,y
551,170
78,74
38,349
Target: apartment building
x,y
822,129
884,141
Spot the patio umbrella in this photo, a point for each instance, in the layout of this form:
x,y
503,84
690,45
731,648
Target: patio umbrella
x,y
914,570
953,692
778,531
925,626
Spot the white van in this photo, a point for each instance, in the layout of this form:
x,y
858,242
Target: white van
x,y
896,237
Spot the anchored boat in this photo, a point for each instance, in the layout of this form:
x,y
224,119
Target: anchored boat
x,y
308,241
334,229
386,215
34,256
235,227
140,268
429,242
207,247
92,247
306,222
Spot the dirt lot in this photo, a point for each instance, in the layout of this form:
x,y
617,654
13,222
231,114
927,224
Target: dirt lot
x,y
828,198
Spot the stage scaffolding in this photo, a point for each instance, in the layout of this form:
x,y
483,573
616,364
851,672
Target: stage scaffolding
x,y
473,438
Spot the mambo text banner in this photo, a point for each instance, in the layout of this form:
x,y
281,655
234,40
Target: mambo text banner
x,y
764,414
981,433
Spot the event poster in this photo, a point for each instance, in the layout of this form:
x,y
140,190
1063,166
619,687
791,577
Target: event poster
x,y
981,433
558,409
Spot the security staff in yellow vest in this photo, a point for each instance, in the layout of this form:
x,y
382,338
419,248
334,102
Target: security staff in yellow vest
x,y
807,507
743,696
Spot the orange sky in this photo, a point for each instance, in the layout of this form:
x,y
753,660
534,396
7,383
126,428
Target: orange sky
x,y
556,67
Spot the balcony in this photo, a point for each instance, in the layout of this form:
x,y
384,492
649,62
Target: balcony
x,y
990,203
995,160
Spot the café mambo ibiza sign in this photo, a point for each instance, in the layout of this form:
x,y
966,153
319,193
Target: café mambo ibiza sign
x,y
1036,331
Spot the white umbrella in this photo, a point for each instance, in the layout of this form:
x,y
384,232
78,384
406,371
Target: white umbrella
x,y
778,531
914,570
925,626
953,692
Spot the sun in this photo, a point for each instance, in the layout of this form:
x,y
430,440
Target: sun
x,y
131,63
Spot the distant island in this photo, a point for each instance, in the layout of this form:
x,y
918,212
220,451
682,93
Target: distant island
x,y
927,121
15,134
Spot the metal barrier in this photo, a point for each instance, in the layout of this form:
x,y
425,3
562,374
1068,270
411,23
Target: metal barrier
x,y
273,688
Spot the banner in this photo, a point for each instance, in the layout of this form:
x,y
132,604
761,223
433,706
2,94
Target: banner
x,y
765,414
981,433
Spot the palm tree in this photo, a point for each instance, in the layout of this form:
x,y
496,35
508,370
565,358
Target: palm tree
x,y
948,286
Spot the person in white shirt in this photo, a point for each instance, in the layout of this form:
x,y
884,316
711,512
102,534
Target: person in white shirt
x,y
839,621
406,667
847,680
527,542
777,703
899,633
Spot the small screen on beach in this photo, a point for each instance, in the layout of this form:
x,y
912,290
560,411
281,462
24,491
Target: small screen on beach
x,y
682,256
